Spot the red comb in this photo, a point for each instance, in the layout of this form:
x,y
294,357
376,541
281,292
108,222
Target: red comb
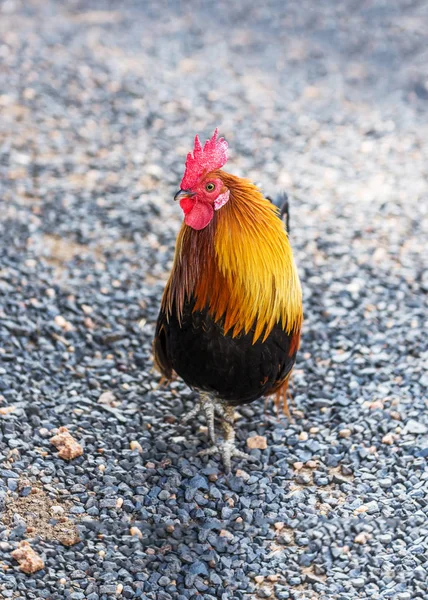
x,y
204,160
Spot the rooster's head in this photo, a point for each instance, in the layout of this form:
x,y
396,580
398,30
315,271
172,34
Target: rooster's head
x,y
202,191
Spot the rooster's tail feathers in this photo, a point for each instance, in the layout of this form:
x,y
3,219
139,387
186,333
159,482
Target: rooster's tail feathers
x,y
281,201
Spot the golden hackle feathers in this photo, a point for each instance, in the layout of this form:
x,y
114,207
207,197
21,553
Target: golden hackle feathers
x,y
240,266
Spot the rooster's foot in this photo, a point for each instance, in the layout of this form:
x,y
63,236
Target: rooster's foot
x,y
210,407
227,451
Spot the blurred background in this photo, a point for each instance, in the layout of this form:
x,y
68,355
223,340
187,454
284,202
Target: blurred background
x,y
99,104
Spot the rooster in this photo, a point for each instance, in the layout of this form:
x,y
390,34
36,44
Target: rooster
x,y
231,312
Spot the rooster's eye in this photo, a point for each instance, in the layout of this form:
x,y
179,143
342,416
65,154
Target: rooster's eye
x,y
210,187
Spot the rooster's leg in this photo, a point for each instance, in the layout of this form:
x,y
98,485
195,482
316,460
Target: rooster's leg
x,y
227,449
209,407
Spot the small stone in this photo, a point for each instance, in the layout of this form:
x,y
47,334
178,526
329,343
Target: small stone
x,y
389,439
243,474
415,427
107,398
119,589
198,482
68,448
63,323
360,509
68,534
259,579
29,561
57,510
362,538
136,531
226,534
257,441
303,436
345,433
312,464
374,405
341,357
134,445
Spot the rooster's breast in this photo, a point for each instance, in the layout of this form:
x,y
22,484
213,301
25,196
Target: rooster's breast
x,y
232,368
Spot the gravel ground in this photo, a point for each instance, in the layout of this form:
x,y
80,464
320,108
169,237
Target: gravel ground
x,y
98,108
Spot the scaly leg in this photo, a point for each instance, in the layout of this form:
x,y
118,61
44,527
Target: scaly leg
x,y
227,449
210,407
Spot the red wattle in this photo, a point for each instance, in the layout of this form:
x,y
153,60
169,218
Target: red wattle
x,y
199,216
187,204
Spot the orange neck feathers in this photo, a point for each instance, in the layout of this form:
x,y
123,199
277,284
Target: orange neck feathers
x,y
240,266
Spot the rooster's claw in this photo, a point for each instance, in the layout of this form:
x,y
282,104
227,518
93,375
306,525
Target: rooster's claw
x,y
227,451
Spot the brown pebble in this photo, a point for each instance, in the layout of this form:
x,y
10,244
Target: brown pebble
x,y
345,433
303,436
312,464
29,561
135,531
226,534
257,441
361,509
375,405
63,323
134,445
362,538
242,474
68,448
68,535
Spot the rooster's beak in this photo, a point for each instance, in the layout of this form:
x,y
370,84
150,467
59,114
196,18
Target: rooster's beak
x,y
183,194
